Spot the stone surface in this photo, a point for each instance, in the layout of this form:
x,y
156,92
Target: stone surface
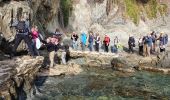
x,y
17,75
70,69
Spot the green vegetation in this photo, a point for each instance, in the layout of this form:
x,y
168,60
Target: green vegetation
x,y
66,7
150,7
132,10
163,9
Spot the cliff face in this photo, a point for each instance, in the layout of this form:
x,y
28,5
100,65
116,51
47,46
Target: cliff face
x,y
115,17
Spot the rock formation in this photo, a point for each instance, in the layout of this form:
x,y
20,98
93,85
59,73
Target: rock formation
x,y
103,16
17,76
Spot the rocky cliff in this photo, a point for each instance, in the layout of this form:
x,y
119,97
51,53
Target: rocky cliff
x,y
114,17
17,76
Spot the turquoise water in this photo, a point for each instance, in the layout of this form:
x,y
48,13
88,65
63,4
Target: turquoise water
x,y
104,84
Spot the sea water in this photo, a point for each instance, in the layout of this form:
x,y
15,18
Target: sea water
x,y
96,83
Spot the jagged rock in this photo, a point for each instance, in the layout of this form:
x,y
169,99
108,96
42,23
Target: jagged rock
x,y
17,76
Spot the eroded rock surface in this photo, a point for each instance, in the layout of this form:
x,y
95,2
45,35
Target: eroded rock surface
x,y
17,76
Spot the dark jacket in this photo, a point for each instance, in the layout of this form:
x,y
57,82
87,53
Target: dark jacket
x,y
131,41
91,39
50,47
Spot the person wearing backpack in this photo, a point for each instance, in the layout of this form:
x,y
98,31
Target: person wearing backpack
x,y
131,43
106,42
90,40
22,33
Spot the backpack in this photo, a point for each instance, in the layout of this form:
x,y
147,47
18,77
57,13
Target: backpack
x,y
90,39
106,39
21,27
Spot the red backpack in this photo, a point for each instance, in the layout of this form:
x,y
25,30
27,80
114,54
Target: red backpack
x,y
107,39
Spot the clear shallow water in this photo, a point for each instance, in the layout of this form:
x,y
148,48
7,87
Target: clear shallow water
x,y
104,84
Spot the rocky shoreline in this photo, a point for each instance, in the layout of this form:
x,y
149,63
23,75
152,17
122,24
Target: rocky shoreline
x,y
18,75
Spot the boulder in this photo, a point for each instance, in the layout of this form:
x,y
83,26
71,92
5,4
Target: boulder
x,y
17,76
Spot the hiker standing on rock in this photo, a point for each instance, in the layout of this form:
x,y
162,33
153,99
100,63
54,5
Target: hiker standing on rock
x,y
52,44
131,43
83,40
34,34
97,42
74,38
154,37
140,44
106,42
90,40
22,33
149,44
162,42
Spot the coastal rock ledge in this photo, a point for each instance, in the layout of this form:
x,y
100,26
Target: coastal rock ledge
x,y
17,76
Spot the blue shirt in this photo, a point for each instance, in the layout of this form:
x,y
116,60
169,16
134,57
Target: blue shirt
x,y
83,38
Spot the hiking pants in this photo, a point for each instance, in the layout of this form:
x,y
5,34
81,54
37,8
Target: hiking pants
x,y
91,46
83,46
19,38
75,45
145,50
35,50
148,50
63,57
131,48
97,47
140,50
106,47
51,58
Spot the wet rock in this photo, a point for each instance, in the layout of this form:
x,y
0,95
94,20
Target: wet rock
x,y
121,64
57,70
17,76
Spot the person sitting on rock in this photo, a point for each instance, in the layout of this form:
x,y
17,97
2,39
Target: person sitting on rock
x,y
22,33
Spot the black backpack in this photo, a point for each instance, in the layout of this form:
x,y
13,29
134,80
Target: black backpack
x,y
21,27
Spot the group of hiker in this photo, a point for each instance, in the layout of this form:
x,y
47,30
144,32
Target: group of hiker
x,y
91,39
150,43
32,38
147,44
